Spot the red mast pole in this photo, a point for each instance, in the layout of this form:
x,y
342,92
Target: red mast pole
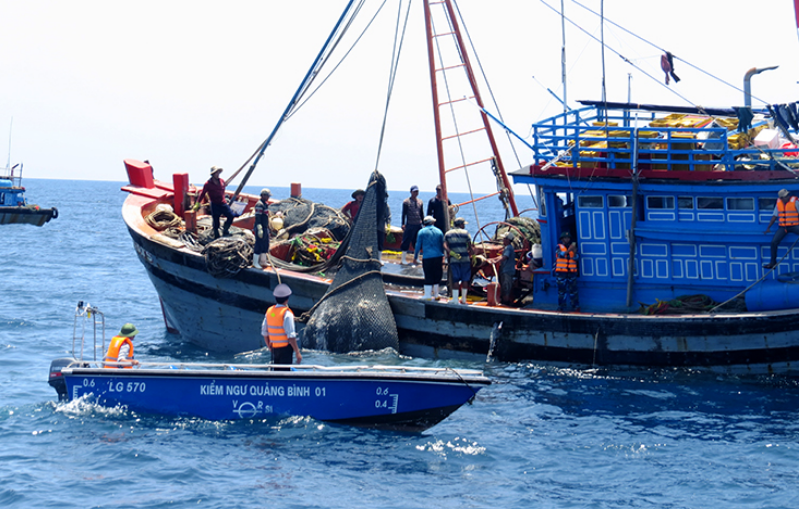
x,y
428,23
473,83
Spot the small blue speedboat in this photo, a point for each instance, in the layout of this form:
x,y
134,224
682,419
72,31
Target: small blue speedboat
x,y
389,397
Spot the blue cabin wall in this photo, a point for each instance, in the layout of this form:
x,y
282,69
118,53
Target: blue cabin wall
x,y
10,196
690,239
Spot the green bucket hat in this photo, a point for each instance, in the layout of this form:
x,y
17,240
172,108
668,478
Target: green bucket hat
x,y
128,330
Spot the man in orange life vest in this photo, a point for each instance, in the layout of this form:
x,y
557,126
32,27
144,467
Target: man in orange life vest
x,y
120,350
278,329
566,273
786,212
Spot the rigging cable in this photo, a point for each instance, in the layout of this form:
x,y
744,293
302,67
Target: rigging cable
x,y
452,113
658,81
689,64
490,93
395,56
332,41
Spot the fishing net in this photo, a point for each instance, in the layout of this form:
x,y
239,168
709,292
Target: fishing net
x,y
226,256
300,215
354,314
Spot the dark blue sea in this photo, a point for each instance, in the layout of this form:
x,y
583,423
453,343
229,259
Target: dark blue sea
x,y
539,437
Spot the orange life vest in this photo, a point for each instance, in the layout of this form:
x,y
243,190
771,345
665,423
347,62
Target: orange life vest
x,y
112,355
788,213
274,325
565,260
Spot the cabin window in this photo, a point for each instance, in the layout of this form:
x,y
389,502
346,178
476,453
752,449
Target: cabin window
x,y
660,202
766,204
616,201
685,202
590,202
740,204
709,203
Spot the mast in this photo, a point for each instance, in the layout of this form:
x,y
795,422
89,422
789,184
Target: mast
x,y
496,159
563,56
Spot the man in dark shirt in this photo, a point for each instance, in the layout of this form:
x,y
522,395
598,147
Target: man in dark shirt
x,y
412,213
435,208
215,189
261,230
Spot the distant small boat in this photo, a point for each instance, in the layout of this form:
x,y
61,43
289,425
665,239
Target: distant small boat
x,y
385,397
13,206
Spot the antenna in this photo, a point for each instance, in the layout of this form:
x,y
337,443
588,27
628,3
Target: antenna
x,y
8,163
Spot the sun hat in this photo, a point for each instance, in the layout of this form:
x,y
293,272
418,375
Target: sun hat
x,y
357,192
266,191
414,188
215,169
783,193
429,220
511,235
128,330
282,290
459,221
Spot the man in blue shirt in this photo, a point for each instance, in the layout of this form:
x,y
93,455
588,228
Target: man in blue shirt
x,y
430,242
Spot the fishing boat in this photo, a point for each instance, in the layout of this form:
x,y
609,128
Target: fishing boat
x,y
384,397
14,208
662,202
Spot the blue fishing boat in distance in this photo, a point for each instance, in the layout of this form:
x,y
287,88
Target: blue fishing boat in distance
x,y
385,397
14,208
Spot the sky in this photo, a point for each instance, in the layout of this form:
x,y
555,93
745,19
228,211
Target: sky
x,y
189,85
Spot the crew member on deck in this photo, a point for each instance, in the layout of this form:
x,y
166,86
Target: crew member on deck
x,y
786,212
261,230
507,268
566,273
215,188
435,208
411,222
350,210
430,243
458,244
278,329
120,350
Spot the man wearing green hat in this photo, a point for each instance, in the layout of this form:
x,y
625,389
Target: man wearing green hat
x,y
120,350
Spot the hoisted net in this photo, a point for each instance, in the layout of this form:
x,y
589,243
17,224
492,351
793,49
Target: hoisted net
x,y
354,314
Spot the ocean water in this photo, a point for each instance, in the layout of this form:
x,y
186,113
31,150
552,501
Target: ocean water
x,y
538,437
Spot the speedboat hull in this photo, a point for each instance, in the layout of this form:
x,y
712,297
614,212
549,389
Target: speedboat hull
x,y
381,397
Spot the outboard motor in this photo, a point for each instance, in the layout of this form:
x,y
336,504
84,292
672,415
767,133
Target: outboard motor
x,y
56,379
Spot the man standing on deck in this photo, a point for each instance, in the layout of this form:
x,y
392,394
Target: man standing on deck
x,y
120,349
411,222
786,212
261,230
436,208
215,188
566,273
278,329
350,210
430,243
458,244
507,268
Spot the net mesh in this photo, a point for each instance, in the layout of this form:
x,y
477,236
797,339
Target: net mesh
x,y
354,314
